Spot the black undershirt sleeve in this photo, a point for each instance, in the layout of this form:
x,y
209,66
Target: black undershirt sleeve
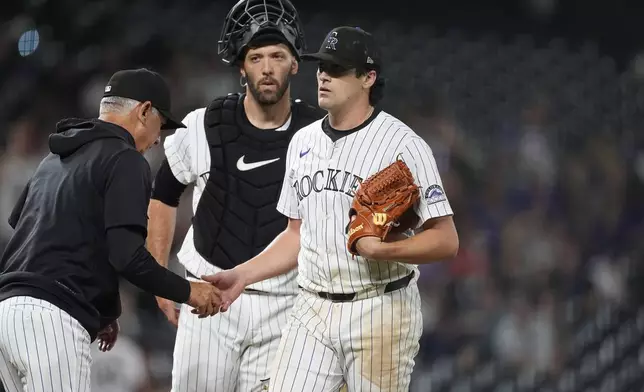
x,y
167,189
127,194
132,260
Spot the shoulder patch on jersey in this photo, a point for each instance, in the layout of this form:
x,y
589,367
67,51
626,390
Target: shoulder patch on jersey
x,y
434,194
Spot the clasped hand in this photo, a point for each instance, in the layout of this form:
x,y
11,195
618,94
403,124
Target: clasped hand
x,y
208,298
217,292
230,283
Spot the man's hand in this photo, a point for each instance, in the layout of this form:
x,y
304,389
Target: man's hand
x,y
107,336
370,247
205,299
231,284
170,310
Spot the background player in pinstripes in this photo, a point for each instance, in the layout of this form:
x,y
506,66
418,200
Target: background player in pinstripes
x,y
234,152
359,319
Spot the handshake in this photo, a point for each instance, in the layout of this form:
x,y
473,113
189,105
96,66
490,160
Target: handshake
x,y
207,298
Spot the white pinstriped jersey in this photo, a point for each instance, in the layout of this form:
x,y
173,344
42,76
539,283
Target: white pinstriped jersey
x,y
321,179
189,159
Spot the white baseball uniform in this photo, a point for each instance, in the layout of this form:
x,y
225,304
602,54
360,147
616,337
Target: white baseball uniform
x,y
370,341
42,348
232,349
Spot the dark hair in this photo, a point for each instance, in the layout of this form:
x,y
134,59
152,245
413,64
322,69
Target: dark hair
x,y
377,91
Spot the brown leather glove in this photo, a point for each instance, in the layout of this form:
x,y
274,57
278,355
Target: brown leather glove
x,y
380,202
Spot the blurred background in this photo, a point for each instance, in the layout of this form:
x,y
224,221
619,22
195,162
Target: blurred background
x,y
533,108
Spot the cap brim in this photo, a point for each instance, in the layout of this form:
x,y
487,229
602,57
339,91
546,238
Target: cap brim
x,y
326,57
171,122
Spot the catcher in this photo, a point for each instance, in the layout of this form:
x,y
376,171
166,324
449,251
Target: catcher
x,y
357,318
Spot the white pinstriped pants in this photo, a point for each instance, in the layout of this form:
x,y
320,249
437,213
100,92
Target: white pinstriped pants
x,y
370,344
42,348
231,351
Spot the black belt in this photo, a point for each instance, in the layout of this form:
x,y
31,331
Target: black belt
x,y
389,287
190,275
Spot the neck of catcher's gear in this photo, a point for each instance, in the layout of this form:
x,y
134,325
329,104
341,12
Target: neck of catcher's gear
x,y
268,116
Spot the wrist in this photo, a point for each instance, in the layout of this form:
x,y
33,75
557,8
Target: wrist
x,y
244,273
385,251
188,293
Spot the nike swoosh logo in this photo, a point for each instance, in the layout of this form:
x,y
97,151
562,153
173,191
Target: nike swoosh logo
x,y
302,153
243,166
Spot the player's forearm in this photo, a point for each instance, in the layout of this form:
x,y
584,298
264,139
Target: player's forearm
x,y
161,230
131,259
433,244
278,258
147,275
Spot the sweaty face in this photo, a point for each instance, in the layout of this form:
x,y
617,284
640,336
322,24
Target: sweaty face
x,y
268,70
336,85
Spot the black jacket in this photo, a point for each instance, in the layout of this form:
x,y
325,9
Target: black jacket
x,y
81,222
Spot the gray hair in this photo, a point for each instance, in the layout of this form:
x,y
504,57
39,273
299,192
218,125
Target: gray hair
x,y
119,105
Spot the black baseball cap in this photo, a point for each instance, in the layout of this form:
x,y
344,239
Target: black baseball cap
x,y
144,85
348,47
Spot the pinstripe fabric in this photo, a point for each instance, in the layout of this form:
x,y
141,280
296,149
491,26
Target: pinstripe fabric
x,y
42,348
320,181
231,351
370,343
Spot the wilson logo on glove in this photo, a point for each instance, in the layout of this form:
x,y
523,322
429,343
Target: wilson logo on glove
x,y
379,219
392,190
355,230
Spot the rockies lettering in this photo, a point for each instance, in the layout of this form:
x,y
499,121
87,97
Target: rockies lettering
x,y
327,180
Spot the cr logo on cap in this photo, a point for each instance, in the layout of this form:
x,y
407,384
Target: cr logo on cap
x,y
332,40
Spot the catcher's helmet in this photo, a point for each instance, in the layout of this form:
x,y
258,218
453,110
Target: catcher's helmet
x,y
251,19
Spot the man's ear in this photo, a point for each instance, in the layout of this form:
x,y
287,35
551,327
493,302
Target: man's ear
x,y
295,67
145,111
370,79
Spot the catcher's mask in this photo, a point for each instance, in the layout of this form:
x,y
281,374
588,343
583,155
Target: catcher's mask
x,y
254,23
